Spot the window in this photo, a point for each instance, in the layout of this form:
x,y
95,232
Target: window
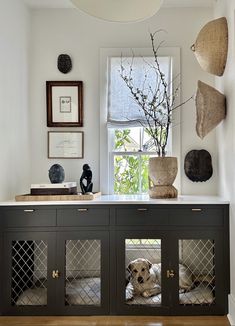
x,y
125,143
131,149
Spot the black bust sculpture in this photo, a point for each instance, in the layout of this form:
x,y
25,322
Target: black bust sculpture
x,y
56,173
87,176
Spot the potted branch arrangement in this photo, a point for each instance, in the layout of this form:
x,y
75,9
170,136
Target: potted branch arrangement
x,y
157,104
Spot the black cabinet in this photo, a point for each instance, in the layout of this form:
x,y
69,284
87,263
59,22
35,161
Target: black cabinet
x,y
83,266
80,260
29,259
191,266
54,270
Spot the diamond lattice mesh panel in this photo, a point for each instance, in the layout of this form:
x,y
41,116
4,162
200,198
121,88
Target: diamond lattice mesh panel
x,y
29,273
197,272
143,280
83,272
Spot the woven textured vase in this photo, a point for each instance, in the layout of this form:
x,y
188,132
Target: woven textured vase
x,y
211,46
162,174
211,108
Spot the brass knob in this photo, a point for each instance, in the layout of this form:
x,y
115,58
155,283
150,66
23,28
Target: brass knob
x,y
170,273
55,274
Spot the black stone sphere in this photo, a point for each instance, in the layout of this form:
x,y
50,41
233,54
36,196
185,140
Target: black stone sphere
x,y
198,165
64,63
56,173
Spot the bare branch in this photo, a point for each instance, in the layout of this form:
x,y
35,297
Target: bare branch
x,y
155,101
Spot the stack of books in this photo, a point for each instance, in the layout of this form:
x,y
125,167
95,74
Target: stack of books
x,y
65,188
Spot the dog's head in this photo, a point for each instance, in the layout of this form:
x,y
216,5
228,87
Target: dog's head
x,y
139,270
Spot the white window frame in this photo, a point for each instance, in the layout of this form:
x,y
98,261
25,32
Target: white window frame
x,y
106,179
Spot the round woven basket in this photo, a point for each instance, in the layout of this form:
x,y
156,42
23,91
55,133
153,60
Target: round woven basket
x,y
211,108
211,46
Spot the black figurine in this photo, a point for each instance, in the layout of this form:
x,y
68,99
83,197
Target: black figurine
x,y
87,175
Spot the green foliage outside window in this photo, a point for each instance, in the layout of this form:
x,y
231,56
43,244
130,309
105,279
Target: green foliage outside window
x,y
130,171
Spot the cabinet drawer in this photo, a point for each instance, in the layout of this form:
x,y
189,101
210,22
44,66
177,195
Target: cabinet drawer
x,y
82,216
197,216
141,216
27,217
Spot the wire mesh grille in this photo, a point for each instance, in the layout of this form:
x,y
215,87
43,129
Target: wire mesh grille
x,y
198,259
83,272
29,273
143,274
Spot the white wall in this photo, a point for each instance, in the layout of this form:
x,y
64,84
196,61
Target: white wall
x,y
73,32
14,110
226,137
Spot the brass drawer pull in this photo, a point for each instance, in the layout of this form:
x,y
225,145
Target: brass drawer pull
x,y
29,210
196,209
55,274
142,209
82,209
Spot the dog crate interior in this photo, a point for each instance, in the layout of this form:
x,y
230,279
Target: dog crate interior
x,y
82,272
196,271
149,249
198,258
29,273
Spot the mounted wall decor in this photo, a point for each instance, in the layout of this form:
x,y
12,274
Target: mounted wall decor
x,y
211,108
64,103
211,46
198,165
65,144
64,63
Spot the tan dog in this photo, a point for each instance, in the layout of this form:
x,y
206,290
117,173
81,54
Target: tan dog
x,y
145,278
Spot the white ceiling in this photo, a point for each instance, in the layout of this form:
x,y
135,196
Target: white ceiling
x,y
167,3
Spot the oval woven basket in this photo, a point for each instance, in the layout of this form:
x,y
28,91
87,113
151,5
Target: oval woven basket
x,y
211,108
211,46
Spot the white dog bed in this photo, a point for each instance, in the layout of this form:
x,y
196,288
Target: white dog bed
x,y
198,296
85,291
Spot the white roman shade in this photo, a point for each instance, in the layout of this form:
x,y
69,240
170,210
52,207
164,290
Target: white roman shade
x,y
122,109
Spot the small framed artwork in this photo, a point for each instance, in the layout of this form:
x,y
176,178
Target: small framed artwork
x,y
65,144
64,103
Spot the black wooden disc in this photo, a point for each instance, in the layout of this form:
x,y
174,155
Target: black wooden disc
x,y
198,165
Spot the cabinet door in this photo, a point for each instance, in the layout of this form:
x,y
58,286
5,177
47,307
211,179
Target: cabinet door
x,y
142,261
29,262
200,273
83,265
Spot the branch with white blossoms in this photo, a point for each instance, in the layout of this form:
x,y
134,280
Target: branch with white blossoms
x,y
155,103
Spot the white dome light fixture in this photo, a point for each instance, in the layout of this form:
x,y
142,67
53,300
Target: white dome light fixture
x,y
122,11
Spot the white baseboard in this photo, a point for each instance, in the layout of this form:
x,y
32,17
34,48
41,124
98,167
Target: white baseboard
x,y
231,314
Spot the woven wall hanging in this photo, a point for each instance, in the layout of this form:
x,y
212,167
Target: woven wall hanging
x,y
211,46
64,63
210,108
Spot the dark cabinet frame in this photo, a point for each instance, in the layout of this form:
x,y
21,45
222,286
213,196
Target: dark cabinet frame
x,y
112,224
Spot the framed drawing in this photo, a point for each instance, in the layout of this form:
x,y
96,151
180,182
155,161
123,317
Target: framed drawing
x,y
64,103
65,144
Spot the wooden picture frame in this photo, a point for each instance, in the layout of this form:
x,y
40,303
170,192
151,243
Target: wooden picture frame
x,y
64,103
66,144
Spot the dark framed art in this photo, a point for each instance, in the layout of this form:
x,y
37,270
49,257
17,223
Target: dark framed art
x,y
65,144
64,103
